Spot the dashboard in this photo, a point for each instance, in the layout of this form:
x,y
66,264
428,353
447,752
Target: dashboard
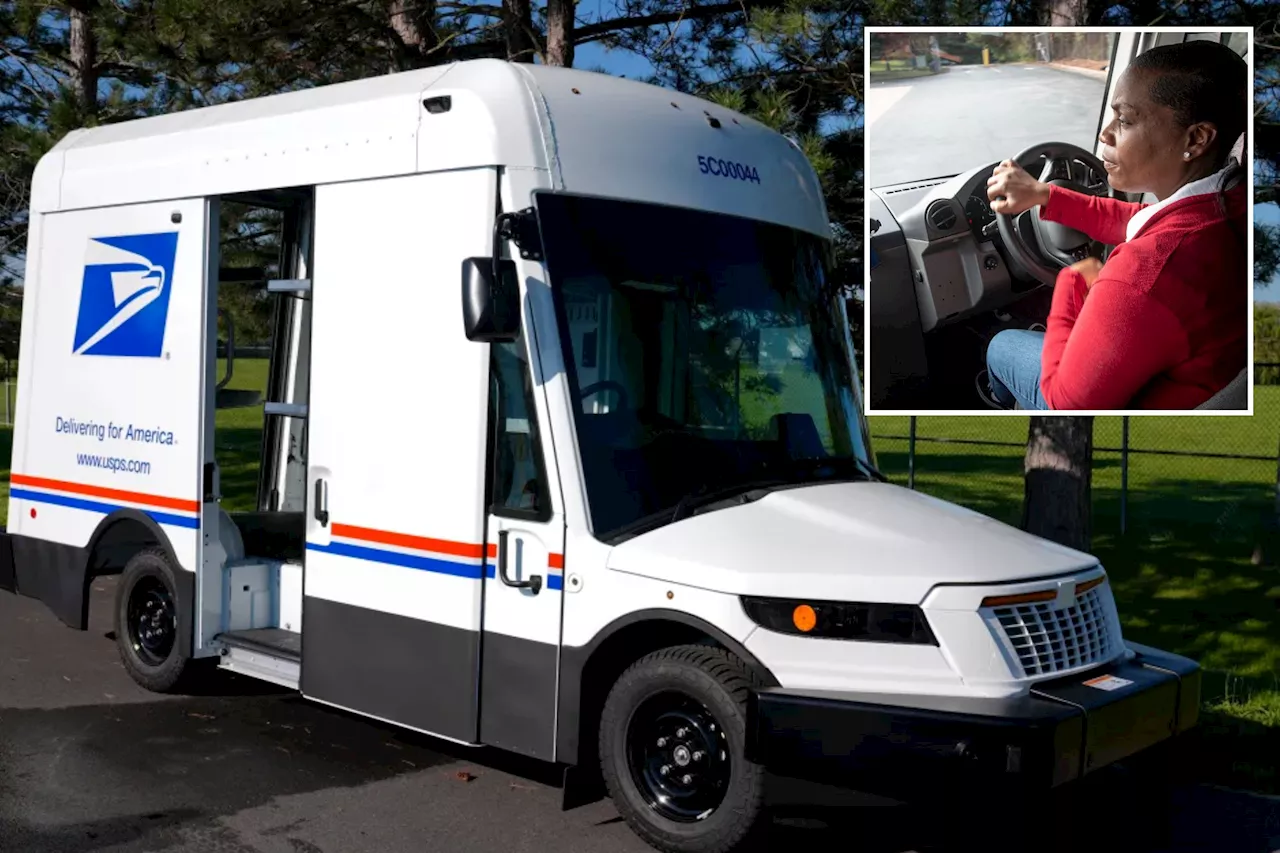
x,y
954,269
946,230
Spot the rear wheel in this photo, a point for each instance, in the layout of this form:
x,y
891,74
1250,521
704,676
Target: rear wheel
x,y
672,739
146,622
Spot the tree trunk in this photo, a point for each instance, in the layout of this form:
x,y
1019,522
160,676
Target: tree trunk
x,y
1059,467
1059,461
414,24
84,58
560,32
517,19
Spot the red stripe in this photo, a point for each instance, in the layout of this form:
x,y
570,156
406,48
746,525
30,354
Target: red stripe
x,y
101,492
555,561
404,540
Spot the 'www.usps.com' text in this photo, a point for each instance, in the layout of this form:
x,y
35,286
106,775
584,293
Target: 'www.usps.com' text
x,y
116,432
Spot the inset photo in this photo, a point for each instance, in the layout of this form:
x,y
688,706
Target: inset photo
x,y
1059,220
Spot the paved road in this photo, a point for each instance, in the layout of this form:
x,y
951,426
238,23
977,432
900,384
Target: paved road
x,y
925,127
89,763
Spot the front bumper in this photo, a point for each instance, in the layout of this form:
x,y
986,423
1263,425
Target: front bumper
x,y
901,746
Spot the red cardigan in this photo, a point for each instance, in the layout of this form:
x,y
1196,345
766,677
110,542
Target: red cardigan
x,y
1166,323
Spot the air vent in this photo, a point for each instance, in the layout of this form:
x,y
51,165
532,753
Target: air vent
x,y
910,187
941,215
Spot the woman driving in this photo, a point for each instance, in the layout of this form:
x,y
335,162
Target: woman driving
x,y
1163,323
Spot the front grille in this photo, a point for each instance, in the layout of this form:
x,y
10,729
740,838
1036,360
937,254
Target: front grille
x,y
1048,641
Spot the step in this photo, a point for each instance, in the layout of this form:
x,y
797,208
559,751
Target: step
x,y
269,654
271,641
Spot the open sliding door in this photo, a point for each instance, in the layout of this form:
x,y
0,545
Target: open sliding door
x,y
396,456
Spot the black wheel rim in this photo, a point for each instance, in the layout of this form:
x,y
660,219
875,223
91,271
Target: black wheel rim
x,y
679,757
151,623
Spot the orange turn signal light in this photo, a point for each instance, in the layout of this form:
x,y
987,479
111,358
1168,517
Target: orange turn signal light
x,y
804,618
1023,598
1082,588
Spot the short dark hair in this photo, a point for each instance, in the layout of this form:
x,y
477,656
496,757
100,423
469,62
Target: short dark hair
x,y
1201,81
1204,81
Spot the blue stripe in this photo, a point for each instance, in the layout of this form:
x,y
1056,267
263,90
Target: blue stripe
x,y
425,564
554,580
394,558
187,521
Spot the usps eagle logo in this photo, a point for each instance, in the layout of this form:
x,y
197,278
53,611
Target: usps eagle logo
x,y
124,296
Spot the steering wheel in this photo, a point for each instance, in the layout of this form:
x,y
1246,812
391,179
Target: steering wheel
x,y
1057,246
606,385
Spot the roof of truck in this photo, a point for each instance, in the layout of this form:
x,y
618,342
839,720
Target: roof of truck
x,y
592,132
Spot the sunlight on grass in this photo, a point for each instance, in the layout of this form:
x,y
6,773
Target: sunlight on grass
x,y
1262,708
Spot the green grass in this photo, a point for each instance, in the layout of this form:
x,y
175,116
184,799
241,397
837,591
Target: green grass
x,y
238,437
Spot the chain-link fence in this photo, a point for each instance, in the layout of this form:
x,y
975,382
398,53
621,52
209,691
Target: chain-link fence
x,y
7,398
1152,476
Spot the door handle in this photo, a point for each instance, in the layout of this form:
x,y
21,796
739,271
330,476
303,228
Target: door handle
x,y
322,502
534,582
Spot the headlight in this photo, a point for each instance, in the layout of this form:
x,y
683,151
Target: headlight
x,y
836,620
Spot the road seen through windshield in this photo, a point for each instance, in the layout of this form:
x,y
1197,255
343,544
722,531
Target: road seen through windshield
x,y
927,127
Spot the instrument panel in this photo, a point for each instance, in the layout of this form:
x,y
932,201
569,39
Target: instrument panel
x,y
978,211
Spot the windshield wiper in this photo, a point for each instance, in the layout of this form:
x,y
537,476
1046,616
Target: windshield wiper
x,y
872,471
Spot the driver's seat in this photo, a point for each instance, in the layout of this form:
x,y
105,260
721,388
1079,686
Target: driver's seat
x,y
1235,395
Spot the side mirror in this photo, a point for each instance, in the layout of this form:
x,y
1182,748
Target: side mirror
x,y
490,303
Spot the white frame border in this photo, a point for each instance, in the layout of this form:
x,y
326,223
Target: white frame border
x,y
866,230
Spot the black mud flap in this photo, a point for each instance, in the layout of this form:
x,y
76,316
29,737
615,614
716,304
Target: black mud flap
x,y
582,786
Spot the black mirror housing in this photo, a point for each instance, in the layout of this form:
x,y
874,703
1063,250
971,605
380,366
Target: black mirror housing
x,y
490,303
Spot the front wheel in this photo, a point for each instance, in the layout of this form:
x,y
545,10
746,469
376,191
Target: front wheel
x,y
672,740
146,622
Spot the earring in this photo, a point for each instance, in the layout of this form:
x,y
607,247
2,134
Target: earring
x,y
1186,155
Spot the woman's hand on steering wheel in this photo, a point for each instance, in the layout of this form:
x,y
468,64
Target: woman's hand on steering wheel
x,y
1020,191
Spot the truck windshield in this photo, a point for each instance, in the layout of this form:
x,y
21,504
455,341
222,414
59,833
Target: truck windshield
x,y
707,358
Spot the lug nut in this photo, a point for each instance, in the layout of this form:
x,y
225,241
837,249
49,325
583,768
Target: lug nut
x,y
699,755
666,768
662,742
681,732
686,779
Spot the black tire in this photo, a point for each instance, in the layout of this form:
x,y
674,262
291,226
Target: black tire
x,y
702,691
149,646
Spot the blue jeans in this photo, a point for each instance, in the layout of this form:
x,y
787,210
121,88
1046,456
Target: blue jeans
x,y
1013,368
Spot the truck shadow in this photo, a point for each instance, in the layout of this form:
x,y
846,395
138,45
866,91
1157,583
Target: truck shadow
x,y
177,767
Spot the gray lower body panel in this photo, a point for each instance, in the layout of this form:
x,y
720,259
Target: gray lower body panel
x,y
8,581
54,573
408,671
518,695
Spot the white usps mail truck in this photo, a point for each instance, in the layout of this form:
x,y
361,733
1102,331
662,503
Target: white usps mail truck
x,y
562,453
